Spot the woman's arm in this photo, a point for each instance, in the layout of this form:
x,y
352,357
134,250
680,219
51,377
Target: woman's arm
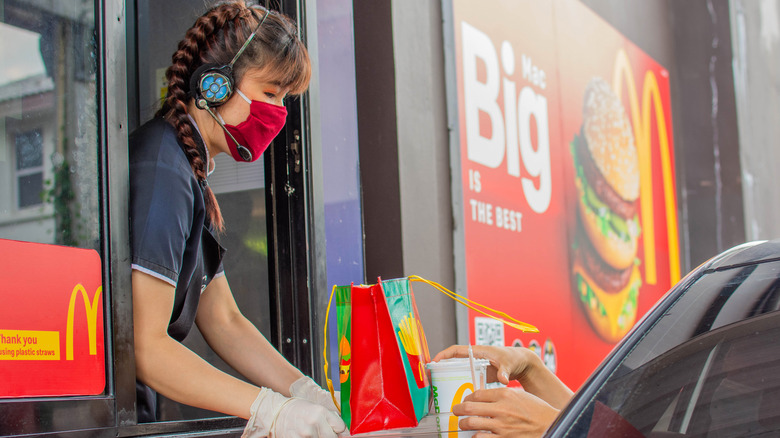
x,y
171,368
239,343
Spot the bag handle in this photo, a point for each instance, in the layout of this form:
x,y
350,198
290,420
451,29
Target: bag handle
x,y
325,352
479,308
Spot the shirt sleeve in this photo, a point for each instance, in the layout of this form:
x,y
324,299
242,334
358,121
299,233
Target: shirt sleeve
x,y
161,217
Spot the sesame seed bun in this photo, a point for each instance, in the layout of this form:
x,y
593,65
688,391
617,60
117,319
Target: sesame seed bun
x,y
610,139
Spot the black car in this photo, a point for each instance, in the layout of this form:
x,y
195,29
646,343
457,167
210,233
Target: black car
x,y
704,362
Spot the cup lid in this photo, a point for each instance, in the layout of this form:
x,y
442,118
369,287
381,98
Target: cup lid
x,y
456,362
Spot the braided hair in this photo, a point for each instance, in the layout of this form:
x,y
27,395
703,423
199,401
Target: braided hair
x,y
215,38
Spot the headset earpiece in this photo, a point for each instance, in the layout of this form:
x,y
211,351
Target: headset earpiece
x,y
212,85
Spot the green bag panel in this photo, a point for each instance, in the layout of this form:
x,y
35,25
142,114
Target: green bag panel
x,y
344,315
411,341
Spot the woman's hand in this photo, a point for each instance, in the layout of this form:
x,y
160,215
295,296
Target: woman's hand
x,y
520,364
273,414
505,412
308,389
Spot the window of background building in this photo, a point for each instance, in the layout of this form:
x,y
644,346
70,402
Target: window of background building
x,y
29,168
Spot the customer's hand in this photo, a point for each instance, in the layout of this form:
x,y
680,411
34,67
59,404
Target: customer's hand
x,y
307,389
275,415
506,363
520,364
505,412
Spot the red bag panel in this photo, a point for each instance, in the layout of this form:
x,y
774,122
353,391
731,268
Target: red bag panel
x,y
380,397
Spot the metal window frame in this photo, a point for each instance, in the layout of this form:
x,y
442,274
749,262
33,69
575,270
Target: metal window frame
x,y
121,114
290,220
293,253
96,414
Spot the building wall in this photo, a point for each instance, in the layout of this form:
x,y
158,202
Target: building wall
x,y
404,157
424,164
755,29
692,39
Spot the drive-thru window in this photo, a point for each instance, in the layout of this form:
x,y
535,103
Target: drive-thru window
x,y
77,77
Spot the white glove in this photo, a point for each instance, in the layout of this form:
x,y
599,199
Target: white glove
x,y
274,415
308,389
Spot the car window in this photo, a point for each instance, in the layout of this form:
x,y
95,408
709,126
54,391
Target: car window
x,y
710,367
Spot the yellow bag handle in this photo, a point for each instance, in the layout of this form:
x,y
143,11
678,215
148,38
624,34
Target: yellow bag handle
x,y
325,352
475,306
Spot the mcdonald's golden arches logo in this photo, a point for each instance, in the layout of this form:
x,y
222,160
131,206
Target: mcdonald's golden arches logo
x,y
640,119
90,308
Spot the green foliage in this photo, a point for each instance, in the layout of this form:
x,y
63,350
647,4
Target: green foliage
x,y
59,192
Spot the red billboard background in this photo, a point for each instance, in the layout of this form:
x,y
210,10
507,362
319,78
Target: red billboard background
x,y
522,71
51,321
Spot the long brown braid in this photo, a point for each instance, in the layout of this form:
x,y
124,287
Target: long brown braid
x,y
214,39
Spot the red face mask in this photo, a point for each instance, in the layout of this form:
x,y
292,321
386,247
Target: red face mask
x,y
252,136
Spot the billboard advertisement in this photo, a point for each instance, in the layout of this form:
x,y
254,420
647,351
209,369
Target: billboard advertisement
x,y
566,160
51,321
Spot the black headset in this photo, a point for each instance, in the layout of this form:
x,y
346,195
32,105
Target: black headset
x,y
213,84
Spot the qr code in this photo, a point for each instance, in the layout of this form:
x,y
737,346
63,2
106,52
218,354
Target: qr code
x,y
489,331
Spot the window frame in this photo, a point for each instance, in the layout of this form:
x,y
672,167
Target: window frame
x,y
94,413
289,222
291,260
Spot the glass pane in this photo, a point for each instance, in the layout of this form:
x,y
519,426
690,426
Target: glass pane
x,y
30,190
339,143
50,205
48,123
29,149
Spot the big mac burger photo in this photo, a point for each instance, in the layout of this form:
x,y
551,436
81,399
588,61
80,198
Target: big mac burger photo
x,y
605,271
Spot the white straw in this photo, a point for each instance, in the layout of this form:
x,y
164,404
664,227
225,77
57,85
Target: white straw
x,y
473,371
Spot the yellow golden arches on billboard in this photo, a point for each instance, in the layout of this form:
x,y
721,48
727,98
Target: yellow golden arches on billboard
x,y
91,308
641,123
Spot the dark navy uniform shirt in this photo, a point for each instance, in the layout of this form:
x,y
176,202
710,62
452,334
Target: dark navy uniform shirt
x,y
170,236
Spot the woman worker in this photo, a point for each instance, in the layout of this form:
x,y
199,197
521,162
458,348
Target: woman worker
x,y
226,87
510,412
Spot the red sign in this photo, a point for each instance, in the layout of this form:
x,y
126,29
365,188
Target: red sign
x,y
569,209
51,321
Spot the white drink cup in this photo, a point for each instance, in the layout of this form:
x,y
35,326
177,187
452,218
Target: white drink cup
x,y
451,381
